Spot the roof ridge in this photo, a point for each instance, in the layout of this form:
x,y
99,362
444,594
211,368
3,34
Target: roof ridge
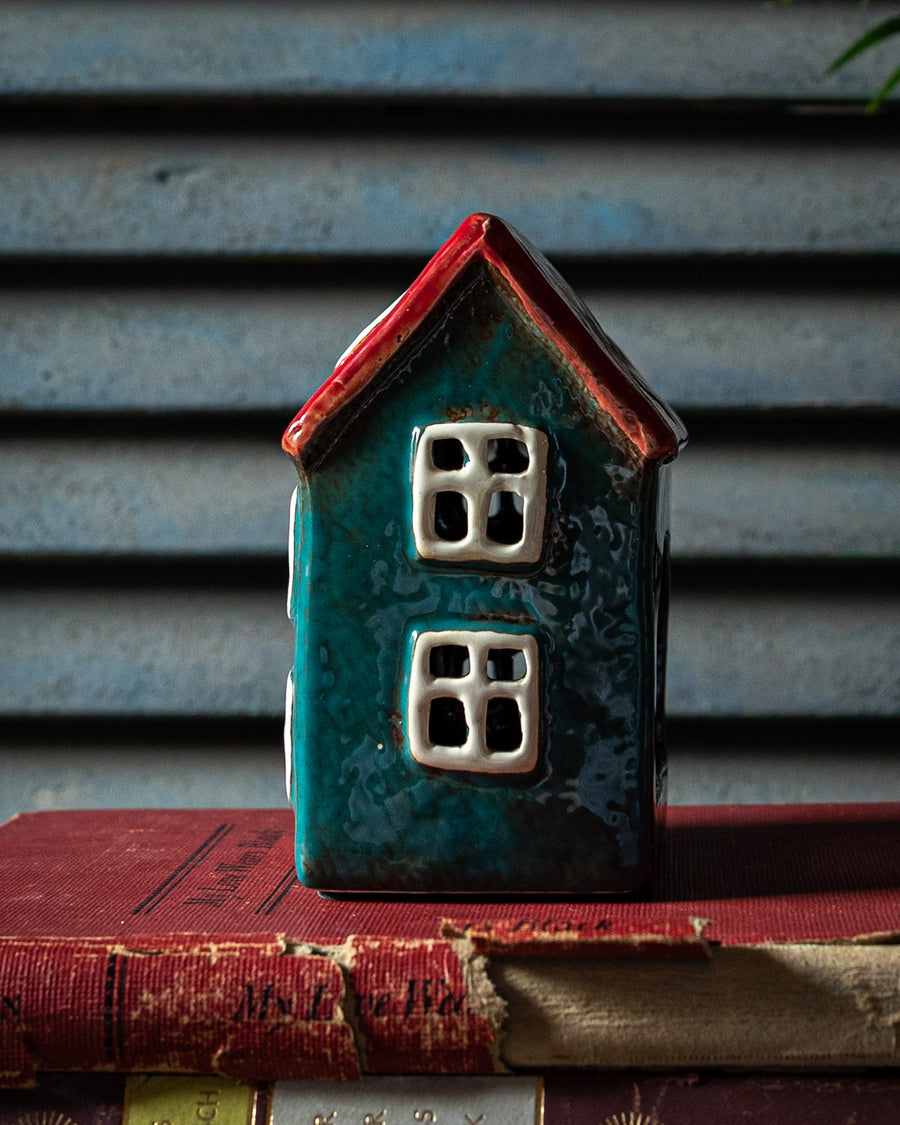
x,y
610,378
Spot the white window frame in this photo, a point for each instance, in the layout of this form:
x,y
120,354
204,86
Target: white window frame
x,y
474,690
477,484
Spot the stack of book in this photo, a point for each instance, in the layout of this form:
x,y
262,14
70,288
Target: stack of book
x,y
762,969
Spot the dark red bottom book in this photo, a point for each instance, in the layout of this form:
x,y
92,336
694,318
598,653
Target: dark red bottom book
x,y
632,1098
181,941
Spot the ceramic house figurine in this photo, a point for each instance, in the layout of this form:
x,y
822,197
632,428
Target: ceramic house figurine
x,y
479,579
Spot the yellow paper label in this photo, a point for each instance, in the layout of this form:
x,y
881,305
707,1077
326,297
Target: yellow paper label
x,y
163,1099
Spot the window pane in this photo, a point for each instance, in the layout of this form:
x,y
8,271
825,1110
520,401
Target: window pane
x,y
448,454
506,455
447,722
473,700
449,660
460,469
505,522
505,664
503,726
451,519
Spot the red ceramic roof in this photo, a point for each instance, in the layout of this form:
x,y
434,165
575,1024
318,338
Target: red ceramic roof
x,y
643,419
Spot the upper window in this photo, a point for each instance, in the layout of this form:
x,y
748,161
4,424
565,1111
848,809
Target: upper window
x,y
473,701
479,492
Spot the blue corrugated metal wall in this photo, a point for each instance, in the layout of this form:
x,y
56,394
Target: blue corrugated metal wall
x,y
202,204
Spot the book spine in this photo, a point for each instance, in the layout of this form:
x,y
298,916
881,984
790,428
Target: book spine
x,y
253,1009
140,1099
245,1009
424,1007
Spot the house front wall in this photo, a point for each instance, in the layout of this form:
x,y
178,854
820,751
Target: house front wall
x,y
368,815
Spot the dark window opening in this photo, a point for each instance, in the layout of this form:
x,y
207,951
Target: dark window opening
x,y
448,454
505,523
447,722
505,664
506,455
449,660
503,727
451,519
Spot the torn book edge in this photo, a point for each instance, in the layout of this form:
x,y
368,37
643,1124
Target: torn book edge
x,y
557,937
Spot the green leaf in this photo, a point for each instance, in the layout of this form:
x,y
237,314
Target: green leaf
x,y
875,35
884,91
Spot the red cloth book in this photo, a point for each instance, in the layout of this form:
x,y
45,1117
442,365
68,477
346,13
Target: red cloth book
x,y
181,940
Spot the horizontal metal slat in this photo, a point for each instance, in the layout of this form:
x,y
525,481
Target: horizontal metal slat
x,y
174,771
779,655
166,773
144,497
98,349
761,501
769,767
141,497
160,652
124,196
169,652
570,49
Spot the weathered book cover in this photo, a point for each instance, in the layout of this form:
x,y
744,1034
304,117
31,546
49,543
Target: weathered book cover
x,y
696,1098
181,941
61,1099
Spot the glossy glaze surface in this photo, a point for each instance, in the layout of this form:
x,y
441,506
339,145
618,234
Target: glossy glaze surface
x,y
369,817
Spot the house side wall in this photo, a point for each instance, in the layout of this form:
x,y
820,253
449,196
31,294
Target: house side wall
x,y
364,805
658,546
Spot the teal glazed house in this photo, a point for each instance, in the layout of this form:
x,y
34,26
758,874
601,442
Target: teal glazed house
x,y
478,588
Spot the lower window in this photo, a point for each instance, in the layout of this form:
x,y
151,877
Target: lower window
x,y
473,701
